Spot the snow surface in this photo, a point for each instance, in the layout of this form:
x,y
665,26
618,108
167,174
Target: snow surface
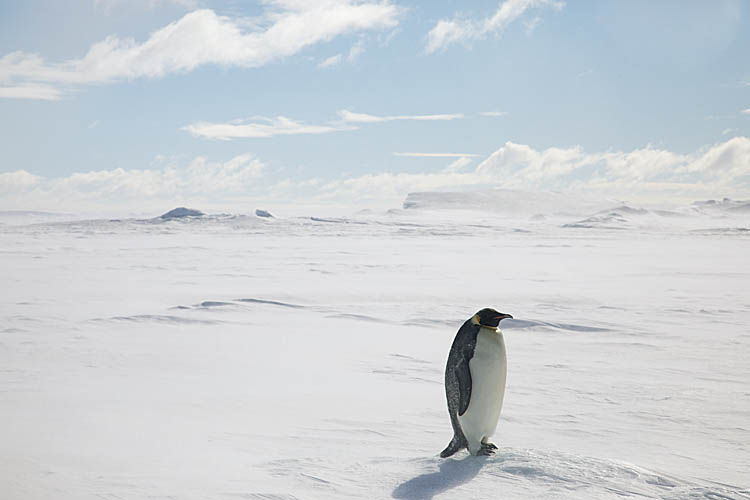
x,y
302,357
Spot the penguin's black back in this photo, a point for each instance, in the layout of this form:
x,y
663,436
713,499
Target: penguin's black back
x,y
457,374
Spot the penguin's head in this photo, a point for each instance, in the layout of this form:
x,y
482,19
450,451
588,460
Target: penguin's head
x,y
489,317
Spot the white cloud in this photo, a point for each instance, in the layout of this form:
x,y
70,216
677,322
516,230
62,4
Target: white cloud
x,y
199,180
351,117
746,111
448,31
331,61
203,37
31,91
493,113
437,155
259,129
20,180
724,165
199,177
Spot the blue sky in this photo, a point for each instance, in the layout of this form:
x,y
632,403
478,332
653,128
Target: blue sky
x,y
114,101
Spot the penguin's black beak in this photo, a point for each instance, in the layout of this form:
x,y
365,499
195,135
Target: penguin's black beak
x,y
501,317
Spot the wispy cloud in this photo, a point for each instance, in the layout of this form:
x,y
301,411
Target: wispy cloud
x,y
31,91
260,128
437,155
458,165
351,117
746,111
530,25
449,31
199,38
493,113
334,60
108,5
354,52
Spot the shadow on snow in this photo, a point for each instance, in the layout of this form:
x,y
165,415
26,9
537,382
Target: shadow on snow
x,y
452,473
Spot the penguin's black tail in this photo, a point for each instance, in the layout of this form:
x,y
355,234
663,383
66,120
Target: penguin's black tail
x,y
452,447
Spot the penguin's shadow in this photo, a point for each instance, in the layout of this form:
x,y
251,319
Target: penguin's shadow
x,y
452,473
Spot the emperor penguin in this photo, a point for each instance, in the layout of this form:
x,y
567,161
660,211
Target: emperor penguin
x,y
475,383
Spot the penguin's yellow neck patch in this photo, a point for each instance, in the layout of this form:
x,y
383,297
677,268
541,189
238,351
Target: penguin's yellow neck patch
x,y
475,321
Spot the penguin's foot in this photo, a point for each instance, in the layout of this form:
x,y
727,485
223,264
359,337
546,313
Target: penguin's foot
x,y
456,444
487,450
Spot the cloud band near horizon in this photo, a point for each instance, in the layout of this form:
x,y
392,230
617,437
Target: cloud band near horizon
x,y
714,171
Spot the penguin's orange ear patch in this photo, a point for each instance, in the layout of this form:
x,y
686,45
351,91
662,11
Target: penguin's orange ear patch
x,y
475,319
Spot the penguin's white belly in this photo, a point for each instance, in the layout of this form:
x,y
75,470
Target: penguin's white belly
x,y
488,370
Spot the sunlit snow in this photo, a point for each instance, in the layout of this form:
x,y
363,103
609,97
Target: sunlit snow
x,y
302,356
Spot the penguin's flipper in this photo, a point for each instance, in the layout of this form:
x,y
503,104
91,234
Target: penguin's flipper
x,y
464,385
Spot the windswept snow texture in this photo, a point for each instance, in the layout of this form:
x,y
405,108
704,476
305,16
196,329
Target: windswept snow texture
x,y
232,356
